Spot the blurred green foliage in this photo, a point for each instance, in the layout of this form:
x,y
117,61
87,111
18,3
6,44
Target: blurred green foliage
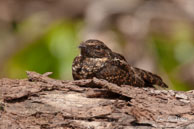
x,y
53,51
174,51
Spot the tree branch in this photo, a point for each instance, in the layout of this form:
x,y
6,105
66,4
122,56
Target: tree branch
x,y
43,102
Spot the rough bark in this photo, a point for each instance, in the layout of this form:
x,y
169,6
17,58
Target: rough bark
x,y
43,102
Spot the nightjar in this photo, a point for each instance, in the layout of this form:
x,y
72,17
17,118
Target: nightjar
x,y
97,60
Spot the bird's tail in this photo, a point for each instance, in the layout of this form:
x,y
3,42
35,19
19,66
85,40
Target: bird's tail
x,y
151,78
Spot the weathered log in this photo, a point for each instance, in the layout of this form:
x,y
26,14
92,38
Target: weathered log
x,y
43,102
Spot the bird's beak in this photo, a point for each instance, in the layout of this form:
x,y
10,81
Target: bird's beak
x,y
82,45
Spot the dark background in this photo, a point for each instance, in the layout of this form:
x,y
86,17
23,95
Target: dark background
x,y
43,35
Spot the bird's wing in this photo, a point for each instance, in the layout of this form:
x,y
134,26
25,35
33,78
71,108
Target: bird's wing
x,y
137,74
120,71
150,78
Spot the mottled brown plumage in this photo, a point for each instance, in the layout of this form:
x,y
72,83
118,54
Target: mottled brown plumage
x,y
97,60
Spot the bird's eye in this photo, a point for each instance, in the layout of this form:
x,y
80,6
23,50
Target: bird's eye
x,y
97,47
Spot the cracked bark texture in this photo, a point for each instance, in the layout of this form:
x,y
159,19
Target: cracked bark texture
x,y
42,102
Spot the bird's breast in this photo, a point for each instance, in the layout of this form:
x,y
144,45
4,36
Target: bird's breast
x,y
93,64
86,68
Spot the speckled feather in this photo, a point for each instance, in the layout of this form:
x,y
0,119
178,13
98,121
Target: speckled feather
x,y
97,60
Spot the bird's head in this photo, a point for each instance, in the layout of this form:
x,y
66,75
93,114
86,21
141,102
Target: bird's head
x,y
94,48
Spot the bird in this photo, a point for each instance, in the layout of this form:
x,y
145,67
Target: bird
x,y
97,60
